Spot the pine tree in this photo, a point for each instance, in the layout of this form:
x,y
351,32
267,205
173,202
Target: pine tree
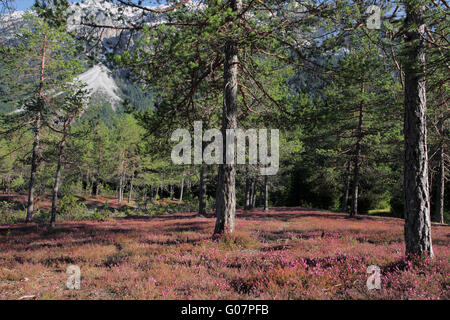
x,y
43,59
417,202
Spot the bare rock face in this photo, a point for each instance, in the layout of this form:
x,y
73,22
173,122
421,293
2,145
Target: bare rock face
x,y
102,13
82,15
99,81
10,24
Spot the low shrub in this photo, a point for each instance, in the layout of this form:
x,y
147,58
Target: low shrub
x,y
98,216
71,207
8,215
397,206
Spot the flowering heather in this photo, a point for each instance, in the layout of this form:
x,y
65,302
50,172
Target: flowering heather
x,y
282,254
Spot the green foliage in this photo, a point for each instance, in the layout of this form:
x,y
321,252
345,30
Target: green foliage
x,y
305,74
8,215
162,207
397,204
70,206
97,215
18,184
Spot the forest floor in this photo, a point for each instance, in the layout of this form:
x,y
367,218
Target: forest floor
x,y
285,253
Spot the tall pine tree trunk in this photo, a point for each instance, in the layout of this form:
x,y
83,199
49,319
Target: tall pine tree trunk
x,y
251,193
356,175
35,159
121,181
254,190
96,192
439,213
171,192
57,179
181,189
266,194
347,186
202,191
417,202
145,197
247,192
261,196
226,193
119,191
88,181
130,193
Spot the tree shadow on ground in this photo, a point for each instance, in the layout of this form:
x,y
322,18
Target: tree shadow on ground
x,y
290,214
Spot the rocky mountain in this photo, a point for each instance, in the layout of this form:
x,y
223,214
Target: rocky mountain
x,y
98,78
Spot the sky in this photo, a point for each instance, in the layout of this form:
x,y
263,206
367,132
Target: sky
x,y
23,4
26,4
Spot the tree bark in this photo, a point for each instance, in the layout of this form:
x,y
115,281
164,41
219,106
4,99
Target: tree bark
x,y
35,160
121,180
130,193
145,197
119,191
440,183
417,202
57,179
251,194
181,189
247,192
253,204
347,187
357,164
88,183
261,196
202,191
266,194
171,192
157,193
226,195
